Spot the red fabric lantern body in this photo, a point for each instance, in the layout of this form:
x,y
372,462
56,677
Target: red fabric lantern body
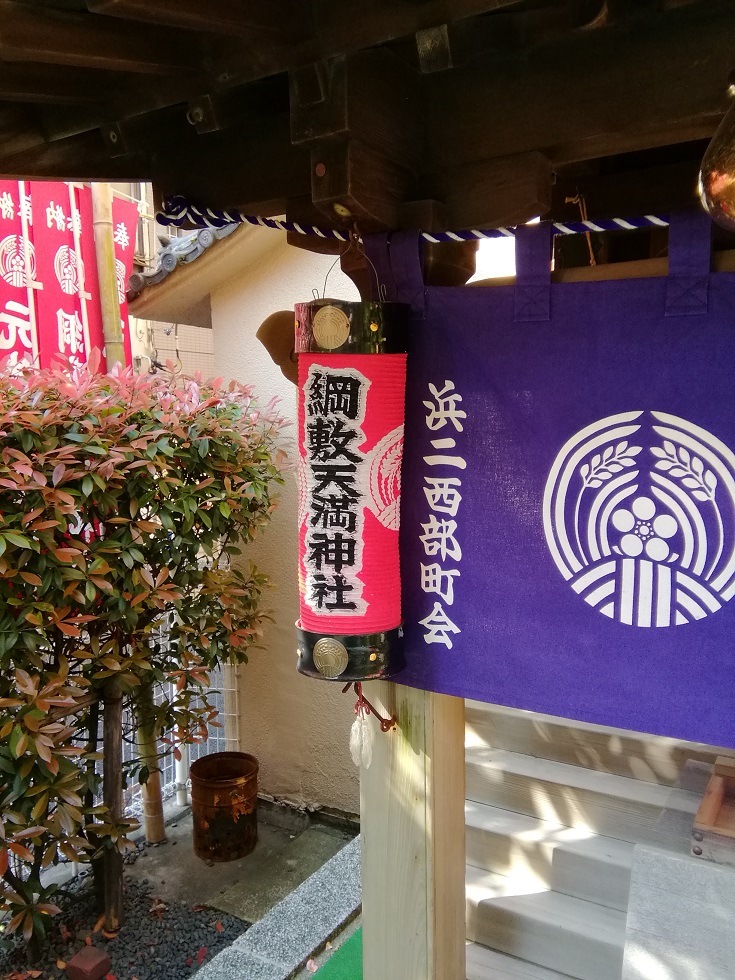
x,y
351,412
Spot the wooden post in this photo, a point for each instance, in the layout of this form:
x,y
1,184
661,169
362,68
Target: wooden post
x,y
413,839
112,798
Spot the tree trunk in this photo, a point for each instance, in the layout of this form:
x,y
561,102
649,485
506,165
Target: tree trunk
x,y
153,823
97,863
112,797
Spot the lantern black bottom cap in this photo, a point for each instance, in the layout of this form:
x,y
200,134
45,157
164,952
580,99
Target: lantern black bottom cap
x,y
350,657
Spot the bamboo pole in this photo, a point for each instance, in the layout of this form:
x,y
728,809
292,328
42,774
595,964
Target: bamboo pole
x,y
182,774
115,352
112,726
153,822
105,251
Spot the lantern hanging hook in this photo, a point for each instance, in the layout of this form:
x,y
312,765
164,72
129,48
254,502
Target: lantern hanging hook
x,y
356,240
386,724
352,242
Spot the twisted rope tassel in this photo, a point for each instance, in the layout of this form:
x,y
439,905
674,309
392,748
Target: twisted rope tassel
x,y
178,211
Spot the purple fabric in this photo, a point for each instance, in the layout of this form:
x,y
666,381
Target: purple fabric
x,y
552,613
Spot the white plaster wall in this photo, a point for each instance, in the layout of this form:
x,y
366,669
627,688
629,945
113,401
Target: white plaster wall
x,y
297,727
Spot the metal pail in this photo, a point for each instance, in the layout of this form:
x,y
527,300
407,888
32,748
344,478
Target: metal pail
x,y
224,794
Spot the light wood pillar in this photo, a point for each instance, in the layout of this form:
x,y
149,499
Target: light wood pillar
x,y
413,839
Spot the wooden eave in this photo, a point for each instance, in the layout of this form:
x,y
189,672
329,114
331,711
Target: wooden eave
x,y
183,296
391,113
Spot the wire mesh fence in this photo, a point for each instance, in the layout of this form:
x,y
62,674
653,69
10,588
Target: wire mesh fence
x,y
221,736
217,741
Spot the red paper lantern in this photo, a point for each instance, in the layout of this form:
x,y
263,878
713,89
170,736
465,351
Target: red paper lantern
x,y
352,374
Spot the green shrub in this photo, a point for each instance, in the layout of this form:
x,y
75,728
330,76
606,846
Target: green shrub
x,y
122,500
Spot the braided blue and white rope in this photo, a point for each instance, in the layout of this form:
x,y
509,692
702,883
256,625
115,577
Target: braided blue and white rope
x,y
178,211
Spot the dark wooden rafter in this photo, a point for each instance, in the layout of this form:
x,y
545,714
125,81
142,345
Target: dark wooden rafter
x,y
632,189
45,36
20,134
340,28
502,191
441,113
371,96
83,157
44,85
661,80
240,171
137,96
287,18
360,116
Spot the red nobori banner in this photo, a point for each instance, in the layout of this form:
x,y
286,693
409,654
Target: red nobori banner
x,y
49,289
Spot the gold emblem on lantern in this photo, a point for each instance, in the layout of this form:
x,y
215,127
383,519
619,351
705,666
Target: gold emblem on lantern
x,y
331,327
330,657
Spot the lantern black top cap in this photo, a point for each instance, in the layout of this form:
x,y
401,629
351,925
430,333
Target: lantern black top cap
x,y
340,327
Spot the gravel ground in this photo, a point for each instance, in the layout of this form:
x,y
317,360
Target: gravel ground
x,y
157,941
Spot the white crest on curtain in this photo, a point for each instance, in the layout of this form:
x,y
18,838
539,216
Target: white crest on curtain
x,y
639,517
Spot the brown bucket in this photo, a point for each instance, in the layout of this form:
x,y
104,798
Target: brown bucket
x,y
224,794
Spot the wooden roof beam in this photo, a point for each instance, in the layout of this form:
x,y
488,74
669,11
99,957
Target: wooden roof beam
x,y
51,86
254,169
46,36
341,32
230,17
79,158
661,81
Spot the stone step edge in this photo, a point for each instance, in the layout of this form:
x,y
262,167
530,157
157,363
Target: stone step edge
x,y
480,710
480,817
582,917
491,964
577,777
499,821
284,939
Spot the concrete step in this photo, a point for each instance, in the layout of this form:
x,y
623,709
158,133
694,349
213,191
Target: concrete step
x,y
595,870
489,964
570,796
539,853
651,758
577,938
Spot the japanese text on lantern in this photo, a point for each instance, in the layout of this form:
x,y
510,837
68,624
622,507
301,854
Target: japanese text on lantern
x,y
336,474
442,492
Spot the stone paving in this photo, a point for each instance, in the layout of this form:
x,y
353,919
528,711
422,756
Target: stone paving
x,y
299,889
280,943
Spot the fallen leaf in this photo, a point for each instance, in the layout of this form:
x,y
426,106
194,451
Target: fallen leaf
x,y
65,933
158,908
329,945
219,927
109,976
201,955
189,961
99,923
311,966
88,940
60,965
109,935
199,908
